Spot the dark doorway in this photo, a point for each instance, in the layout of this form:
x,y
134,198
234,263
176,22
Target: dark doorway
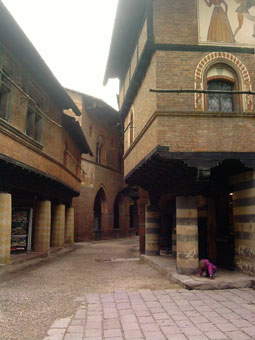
x,y
116,209
225,241
202,238
133,217
98,209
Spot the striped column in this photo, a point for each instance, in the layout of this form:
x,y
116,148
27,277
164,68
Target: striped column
x,y
69,230
58,227
244,221
186,235
152,231
5,227
42,227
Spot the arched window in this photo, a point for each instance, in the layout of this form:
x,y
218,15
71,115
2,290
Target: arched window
x,y
221,77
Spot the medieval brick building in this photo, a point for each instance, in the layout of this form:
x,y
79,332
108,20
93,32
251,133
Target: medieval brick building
x,y
187,73
105,209
40,149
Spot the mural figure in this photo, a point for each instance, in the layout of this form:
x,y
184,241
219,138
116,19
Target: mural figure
x,y
220,29
243,12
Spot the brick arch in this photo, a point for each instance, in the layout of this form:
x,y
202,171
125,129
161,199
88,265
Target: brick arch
x,y
230,60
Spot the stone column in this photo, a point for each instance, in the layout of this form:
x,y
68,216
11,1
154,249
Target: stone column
x,y
58,227
42,227
152,231
5,227
186,235
69,230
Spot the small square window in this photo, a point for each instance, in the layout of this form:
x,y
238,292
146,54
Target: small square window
x,y
34,124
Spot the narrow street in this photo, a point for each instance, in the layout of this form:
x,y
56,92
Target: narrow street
x,y
32,299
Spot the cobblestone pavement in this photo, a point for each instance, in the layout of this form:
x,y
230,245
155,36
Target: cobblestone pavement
x,y
32,298
161,314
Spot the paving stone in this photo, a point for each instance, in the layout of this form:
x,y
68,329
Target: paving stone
x,y
154,336
207,327
94,324
177,337
133,334
226,327
143,313
126,312
192,331
182,316
184,323
123,306
198,337
237,335
130,326
110,333
73,337
160,316
93,332
167,322
151,327
145,319
250,331
240,323
111,324
170,330
216,335
199,319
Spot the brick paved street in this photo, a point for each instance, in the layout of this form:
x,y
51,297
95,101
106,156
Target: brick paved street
x,y
161,314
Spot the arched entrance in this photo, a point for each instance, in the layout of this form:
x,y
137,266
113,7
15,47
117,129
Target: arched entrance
x,y
99,206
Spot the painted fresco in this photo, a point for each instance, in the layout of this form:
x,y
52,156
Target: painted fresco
x,y
227,22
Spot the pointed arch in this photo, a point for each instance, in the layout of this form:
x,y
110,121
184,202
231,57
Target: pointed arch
x,y
100,208
232,61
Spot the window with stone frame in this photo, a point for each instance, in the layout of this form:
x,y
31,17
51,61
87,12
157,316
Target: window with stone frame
x,y
34,124
222,78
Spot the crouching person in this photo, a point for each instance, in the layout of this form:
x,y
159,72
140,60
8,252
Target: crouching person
x,y
207,268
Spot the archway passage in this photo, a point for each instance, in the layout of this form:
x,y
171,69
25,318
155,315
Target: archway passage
x,y
98,211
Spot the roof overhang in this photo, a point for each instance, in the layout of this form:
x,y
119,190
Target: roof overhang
x,y
74,129
129,19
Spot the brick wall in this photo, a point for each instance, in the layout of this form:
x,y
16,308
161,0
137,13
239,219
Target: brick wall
x,y
47,155
175,22
107,175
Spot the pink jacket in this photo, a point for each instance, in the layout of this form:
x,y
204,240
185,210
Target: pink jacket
x,y
208,267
